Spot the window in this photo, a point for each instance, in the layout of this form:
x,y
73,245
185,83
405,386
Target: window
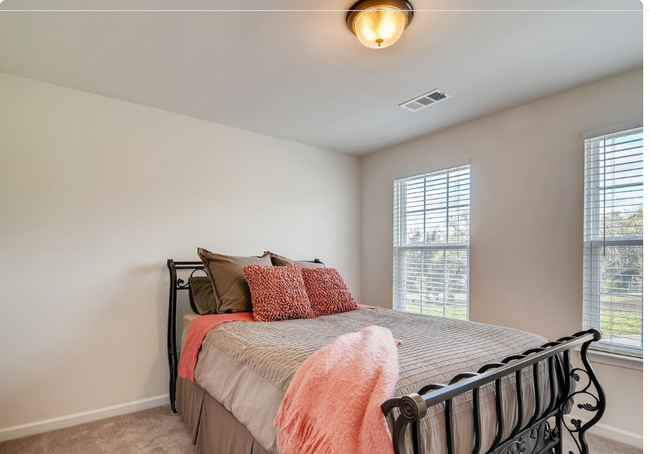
x,y
431,243
613,240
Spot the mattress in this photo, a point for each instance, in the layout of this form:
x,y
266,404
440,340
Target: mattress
x,y
187,319
247,367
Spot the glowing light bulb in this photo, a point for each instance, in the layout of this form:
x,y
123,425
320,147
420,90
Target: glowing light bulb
x,y
380,26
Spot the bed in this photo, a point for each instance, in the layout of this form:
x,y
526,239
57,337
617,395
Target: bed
x,y
464,387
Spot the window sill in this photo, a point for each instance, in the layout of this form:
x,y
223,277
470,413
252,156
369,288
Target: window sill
x,y
612,359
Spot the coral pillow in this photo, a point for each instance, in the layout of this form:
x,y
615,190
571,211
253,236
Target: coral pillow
x,y
327,291
278,293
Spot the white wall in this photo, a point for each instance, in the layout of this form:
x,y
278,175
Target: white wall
x,y
95,195
527,211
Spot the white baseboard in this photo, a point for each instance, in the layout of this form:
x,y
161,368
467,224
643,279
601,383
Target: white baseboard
x,y
23,430
614,433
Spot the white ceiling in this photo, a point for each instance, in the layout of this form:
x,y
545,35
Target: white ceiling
x,y
302,76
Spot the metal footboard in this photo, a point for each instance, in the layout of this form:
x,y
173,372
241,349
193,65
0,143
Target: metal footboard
x,y
544,427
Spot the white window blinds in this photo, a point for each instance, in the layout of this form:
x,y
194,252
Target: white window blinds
x,y
613,240
431,243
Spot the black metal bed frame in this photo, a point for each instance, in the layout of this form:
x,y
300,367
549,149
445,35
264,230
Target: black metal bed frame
x,y
544,427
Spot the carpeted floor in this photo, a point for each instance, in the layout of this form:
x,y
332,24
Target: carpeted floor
x,y
153,431
158,431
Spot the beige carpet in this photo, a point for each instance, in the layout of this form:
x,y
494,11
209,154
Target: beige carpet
x,y
158,431
154,431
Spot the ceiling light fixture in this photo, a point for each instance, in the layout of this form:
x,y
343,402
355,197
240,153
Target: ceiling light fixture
x,y
379,23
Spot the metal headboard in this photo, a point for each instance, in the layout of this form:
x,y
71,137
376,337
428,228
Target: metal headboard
x,y
176,284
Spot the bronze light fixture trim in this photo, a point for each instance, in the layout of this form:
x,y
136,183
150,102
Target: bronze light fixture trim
x,y
379,23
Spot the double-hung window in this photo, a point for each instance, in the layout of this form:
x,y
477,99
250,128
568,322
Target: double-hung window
x,y
613,240
431,243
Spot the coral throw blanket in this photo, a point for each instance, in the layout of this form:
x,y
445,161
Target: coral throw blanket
x,y
199,327
333,404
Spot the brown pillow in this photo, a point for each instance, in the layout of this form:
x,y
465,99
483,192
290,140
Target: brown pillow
x,y
278,293
228,282
327,291
202,297
279,260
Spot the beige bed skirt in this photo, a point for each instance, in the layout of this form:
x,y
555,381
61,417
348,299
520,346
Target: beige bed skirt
x,y
214,429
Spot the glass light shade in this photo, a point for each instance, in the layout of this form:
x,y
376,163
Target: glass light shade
x,y
380,26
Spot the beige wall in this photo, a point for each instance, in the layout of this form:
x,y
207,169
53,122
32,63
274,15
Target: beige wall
x,y
526,208
95,195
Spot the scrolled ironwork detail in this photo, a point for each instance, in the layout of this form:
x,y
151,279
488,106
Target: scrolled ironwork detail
x,y
181,284
515,447
592,390
551,434
541,437
588,407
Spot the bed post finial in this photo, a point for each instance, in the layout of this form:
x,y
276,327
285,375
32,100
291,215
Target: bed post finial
x,y
413,406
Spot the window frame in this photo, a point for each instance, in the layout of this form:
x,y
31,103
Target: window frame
x,y
592,248
399,291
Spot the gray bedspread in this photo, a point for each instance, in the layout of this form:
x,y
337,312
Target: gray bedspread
x,y
247,367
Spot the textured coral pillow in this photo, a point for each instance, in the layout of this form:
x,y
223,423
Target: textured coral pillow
x,y
327,291
278,293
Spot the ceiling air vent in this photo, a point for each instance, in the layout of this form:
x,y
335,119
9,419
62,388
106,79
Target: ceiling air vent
x,y
425,100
